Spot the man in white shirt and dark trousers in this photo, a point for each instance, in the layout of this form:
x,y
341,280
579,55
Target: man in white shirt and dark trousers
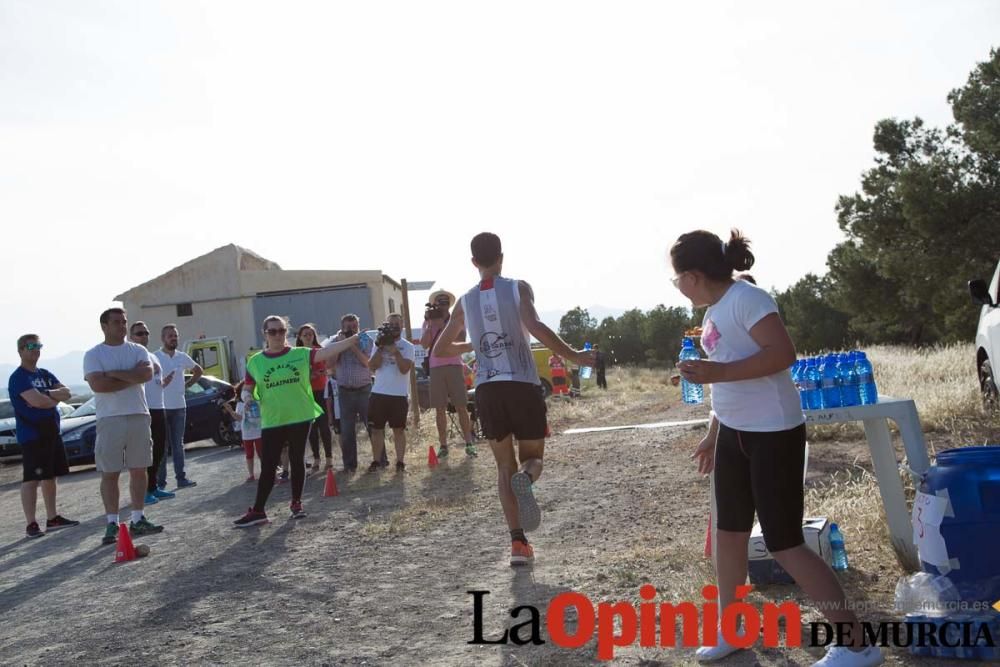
x,y
116,370
175,362
139,333
391,363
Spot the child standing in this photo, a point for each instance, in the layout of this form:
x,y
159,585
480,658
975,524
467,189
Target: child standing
x,y
249,427
755,446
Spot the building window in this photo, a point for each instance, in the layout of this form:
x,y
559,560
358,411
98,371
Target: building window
x,y
392,305
184,310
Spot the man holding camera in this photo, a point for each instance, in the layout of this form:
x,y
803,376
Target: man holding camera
x,y
447,374
391,362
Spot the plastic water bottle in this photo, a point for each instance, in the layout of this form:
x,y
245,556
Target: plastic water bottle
x,y
814,393
799,378
253,414
690,392
850,388
866,380
837,547
586,370
364,341
830,382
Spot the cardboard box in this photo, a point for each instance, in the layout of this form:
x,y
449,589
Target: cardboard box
x,y
764,569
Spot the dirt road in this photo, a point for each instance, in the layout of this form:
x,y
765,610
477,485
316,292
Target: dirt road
x,y
377,575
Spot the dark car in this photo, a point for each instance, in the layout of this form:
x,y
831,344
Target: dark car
x,y
8,436
205,419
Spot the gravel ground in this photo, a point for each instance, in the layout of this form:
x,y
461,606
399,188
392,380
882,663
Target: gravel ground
x,y
377,575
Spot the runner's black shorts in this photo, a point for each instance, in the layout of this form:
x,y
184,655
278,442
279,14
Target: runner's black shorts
x,y
761,471
383,409
44,458
506,408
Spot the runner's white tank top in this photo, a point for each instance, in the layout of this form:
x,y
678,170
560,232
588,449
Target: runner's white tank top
x,y
503,344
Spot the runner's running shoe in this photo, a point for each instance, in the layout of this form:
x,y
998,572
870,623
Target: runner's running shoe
x,y
110,534
144,527
521,554
297,511
527,507
33,530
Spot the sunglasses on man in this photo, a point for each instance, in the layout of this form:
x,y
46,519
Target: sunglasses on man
x,y
31,347
276,332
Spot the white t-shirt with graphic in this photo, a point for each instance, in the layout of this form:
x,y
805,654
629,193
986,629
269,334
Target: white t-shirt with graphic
x,y
763,404
388,379
173,393
103,358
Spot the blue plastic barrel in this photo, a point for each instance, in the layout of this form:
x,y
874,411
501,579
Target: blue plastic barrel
x,y
971,476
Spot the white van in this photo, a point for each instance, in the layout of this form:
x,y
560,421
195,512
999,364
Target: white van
x,y
988,337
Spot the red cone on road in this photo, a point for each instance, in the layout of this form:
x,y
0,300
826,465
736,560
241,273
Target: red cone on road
x,y
432,457
330,489
125,551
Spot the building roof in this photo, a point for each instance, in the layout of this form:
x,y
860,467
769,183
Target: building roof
x,y
242,259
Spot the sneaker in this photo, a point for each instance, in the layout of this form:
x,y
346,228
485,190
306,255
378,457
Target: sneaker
x,y
375,465
400,466
186,484
297,511
251,518
721,649
527,507
521,554
842,656
57,522
110,534
251,479
143,527
161,494
470,449
33,530
443,452
150,499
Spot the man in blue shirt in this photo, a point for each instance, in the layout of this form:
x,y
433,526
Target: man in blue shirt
x,y
34,392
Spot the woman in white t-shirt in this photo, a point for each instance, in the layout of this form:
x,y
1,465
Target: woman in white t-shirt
x,y
755,447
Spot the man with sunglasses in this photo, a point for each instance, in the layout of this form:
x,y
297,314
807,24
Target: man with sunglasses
x,y
35,394
139,333
116,369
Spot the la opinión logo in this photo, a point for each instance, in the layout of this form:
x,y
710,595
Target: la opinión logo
x,y
620,624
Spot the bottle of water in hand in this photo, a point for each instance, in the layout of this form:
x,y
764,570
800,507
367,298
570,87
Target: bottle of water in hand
x,y
690,392
586,370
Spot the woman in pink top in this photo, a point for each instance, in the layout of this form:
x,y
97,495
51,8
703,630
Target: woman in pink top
x,y
446,374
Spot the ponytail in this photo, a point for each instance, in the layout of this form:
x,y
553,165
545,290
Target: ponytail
x,y
705,252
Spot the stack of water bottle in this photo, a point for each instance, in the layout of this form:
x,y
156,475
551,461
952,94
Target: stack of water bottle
x,y
835,380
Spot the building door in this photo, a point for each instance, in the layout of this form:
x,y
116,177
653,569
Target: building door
x,y
323,306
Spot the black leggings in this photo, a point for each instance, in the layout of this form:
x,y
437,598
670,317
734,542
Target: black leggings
x,y
158,429
321,429
274,440
761,471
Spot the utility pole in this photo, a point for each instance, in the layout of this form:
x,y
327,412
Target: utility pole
x,y
423,285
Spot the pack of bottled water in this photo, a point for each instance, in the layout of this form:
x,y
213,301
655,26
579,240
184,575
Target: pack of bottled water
x,y
835,380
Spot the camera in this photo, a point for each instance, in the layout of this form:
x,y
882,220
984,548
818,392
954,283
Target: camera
x,y
387,335
435,312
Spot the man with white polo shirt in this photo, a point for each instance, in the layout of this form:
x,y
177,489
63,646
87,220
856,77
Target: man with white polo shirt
x,y
116,370
175,362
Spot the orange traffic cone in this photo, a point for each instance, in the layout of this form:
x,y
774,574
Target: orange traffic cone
x,y
432,457
331,485
708,538
125,551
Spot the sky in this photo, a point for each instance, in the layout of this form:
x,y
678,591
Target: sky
x,y
330,135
